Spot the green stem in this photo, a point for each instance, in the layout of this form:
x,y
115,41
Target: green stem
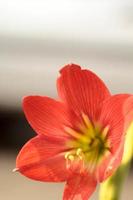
x,y
111,188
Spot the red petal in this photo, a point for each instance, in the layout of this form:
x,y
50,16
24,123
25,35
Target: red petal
x,y
82,90
114,114
128,112
117,112
47,116
110,164
79,187
43,159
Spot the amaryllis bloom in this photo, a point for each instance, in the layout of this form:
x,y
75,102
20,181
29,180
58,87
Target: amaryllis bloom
x,y
80,137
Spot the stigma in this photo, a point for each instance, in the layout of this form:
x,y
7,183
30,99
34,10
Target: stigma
x,y
89,145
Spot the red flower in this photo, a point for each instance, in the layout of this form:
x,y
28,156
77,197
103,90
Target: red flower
x,y
80,138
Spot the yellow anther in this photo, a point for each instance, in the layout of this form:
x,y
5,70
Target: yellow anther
x,y
69,159
66,155
69,156
80,153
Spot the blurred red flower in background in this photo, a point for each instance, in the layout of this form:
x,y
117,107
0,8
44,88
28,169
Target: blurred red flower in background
x,y
80,137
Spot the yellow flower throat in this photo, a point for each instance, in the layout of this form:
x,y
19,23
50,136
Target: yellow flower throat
x,y
88,145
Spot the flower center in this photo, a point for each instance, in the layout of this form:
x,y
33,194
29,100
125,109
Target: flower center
x,y
88,145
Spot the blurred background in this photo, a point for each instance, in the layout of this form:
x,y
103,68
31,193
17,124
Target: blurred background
x,y
37,37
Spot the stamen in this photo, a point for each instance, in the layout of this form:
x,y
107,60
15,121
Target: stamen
x,y
87,121
93,159
72,132
69,159
80,153
69,156
105,131
88,146
89,130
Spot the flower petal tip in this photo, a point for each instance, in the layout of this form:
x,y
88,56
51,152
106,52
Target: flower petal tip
x,y
25,99
69,66
28,99
15,169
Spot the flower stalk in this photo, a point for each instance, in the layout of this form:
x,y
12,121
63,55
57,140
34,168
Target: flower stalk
x,y
111,188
